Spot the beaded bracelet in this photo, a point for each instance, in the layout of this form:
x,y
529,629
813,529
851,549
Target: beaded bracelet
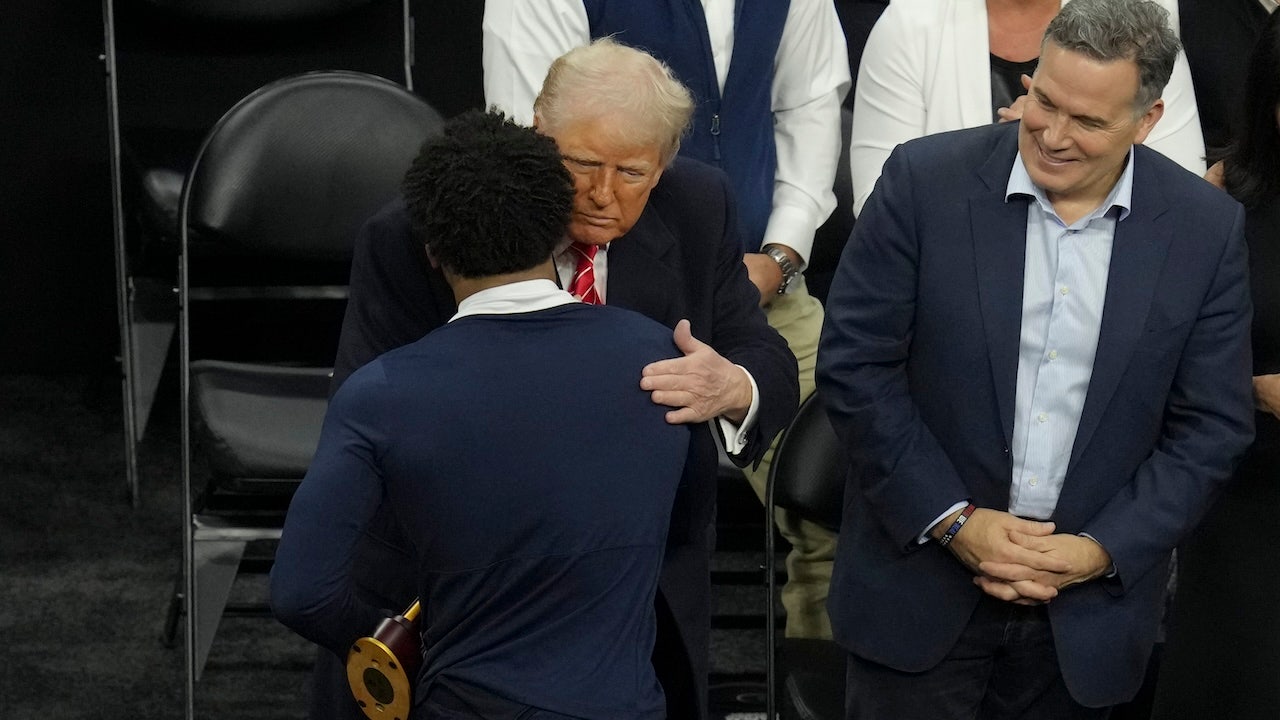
x,y
950,535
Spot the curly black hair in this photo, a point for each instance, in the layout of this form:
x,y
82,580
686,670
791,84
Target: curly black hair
x,y
488,197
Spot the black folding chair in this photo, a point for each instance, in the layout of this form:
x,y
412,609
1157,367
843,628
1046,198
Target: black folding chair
x,y
807,477
276,196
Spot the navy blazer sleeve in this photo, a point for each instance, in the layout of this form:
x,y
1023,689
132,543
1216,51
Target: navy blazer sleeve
x,y
907,477
1208,424
696,202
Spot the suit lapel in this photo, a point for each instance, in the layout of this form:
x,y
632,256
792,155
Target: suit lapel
x,y
999,232
1137,255
644,270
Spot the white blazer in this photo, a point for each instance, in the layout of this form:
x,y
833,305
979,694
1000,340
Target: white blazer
x,y
926,69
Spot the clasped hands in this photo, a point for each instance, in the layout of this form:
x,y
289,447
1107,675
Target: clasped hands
x,y
1023,561
701,385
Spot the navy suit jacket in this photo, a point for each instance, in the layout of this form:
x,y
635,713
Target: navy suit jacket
x,y
918,367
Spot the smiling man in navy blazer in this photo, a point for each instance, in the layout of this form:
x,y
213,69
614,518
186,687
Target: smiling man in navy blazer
x,y
1037,354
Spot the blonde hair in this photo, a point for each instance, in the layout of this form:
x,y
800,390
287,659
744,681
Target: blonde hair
x,y
609,79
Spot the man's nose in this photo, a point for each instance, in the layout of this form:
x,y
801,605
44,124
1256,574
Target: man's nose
x,y
1055,135
601,191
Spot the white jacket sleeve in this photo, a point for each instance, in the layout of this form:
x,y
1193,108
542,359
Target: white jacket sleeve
x,y
521,38
1178,135
811,78
889,102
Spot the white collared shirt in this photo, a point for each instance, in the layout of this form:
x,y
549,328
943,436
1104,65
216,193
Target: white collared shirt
x,y
516,297
1063,292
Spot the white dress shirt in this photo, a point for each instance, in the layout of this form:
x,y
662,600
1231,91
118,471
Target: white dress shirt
x,y
811,77
1064,287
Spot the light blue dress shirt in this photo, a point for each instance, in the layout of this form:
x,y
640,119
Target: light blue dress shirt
x,y
1064,289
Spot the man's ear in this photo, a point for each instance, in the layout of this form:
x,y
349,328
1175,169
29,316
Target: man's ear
x,y
435,264
537,122
1149,120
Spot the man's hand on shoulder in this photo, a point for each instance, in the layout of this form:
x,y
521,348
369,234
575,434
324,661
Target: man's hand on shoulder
x,y
702,385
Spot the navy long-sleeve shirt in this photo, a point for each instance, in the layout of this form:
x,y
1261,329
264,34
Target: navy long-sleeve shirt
x,y
535,480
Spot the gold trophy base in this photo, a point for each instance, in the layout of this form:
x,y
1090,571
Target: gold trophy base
x,y
378,680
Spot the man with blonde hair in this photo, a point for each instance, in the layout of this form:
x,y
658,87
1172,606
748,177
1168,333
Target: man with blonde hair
x,y
767,79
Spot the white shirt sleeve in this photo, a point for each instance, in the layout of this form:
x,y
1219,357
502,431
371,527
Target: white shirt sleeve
x,y
521,38
811,78
734,436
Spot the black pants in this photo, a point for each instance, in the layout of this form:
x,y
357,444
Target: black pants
x,y
1004,667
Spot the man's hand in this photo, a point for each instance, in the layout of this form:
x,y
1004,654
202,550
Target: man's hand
x,y
765,274
988,537
1217,175
1266,393
1014,111
1085,560
993,536
702,384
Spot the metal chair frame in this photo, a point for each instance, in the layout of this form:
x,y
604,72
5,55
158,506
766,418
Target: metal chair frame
x,y
785,446
139,371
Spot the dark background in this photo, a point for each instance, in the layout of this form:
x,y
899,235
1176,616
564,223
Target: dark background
x,y
57,297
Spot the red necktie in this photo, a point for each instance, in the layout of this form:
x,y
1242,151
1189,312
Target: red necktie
x,y
583,286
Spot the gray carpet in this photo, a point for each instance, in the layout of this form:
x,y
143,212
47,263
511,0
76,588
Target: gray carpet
x,y
86,579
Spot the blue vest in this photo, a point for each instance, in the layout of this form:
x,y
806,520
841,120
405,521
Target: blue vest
x,y
733,131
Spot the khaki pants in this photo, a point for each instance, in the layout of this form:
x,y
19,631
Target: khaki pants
x,y
797,316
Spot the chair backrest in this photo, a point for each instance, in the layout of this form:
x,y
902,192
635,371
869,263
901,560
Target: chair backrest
x,y
809,467
295,168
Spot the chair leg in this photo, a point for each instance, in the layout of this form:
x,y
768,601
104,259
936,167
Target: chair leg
x,y
216,565
169,637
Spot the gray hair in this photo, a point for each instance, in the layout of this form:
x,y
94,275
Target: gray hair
x,y
609,79
1108,30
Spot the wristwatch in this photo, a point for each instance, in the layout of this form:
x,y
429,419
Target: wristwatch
x,y
789,269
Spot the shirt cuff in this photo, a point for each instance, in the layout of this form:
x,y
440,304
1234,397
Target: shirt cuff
x,y
924,537
792,226
1111,569
733,435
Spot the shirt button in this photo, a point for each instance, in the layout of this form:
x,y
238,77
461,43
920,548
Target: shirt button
x,y
1032,482
1064,290
1053,354
1042,417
